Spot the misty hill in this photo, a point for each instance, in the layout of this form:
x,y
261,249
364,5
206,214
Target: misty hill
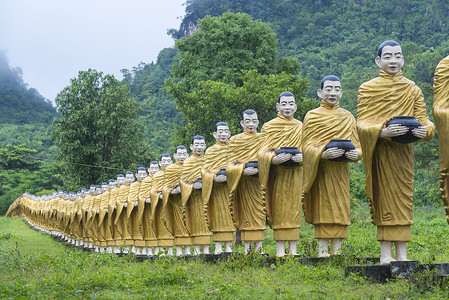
x,y
18,103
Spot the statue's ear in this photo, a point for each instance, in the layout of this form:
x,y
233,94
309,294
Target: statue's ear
x,y
377,61
215,135
318,92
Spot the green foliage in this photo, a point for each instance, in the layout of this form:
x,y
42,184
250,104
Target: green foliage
x,y
96,131
224,102
33,265
18,103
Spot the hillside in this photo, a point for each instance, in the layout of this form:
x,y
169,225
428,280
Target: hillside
x,y
20,104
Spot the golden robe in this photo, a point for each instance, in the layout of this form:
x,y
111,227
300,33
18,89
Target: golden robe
x,y
195,209
149,233
326,183
114,239
389,165
103,228
174,210
164,236
121,219
441,115
245,192
281,185
132,213
215,195
87,236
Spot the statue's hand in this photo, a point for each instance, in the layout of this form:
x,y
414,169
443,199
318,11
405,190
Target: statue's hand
x,y
197,185
220,178
280,158
148,200
352,155
297,158
393,130
98,212
250,171
176,190
332,153
420,132
160,196
136,203
87,210
125,204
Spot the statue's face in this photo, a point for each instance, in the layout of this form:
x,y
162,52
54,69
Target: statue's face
x,y
78,194
129,178
92,190
331,92
60,194
104,188
66,196
391,60
250,122
181,155
286,106
165,161
198,146
73,197
120,180
153,169
112,185
222,134
141,175
98,190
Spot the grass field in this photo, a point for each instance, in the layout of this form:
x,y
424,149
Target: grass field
x,y
34,266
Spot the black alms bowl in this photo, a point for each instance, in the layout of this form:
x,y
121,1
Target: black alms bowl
x,y
221,172
411,124
289,150
346,145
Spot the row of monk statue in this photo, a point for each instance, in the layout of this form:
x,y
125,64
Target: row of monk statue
x,y
251,179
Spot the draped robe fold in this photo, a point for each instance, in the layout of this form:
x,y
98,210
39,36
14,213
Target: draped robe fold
x,y
281,185
174,216
195,209
215,195
164,236
389,165
121,219
144,218
132,213
104,229
245,193
326,182
441,115
114,239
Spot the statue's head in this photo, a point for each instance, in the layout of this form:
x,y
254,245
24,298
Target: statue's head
x,y
286,105
98,190
141,173
120,179
60,193
330,91
78,194
181,154
153,168
389,57
66,196
250,120
112,184
198,145
92,189
165,160
129,177
222,132
104,187
84,192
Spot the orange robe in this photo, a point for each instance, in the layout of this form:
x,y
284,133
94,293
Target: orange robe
x,y
389,165
441,115
245,192
281,185
149,233
132,213
326,183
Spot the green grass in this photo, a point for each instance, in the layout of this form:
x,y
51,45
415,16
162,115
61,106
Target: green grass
x,y
34,266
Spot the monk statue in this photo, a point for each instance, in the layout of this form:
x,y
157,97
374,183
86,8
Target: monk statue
x,y
441,115
389,164
105,213
280,173
149,232
191,186
112,213
326,180
134,212
245,192
174,210
121,219
87,217
164,236
215,191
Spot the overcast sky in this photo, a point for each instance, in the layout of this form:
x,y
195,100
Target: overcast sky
x,y
51,40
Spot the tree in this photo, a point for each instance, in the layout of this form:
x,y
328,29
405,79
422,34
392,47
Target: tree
x,y
96,130
224,102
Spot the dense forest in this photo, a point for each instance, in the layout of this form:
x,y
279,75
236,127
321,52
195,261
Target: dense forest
x,y
324,36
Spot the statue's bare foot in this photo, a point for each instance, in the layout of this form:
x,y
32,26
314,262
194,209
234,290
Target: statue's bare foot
x,y
386,260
